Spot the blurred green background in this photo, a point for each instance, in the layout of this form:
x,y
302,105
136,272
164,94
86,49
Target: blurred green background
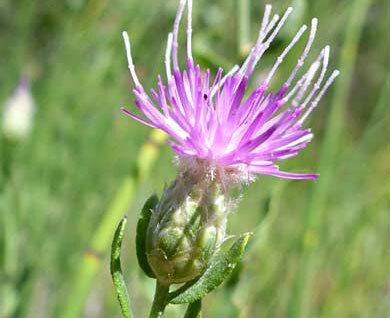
x,y
320,249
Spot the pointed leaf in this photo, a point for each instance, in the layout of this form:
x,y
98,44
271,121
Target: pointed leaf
x,y
116,271
140,240
219,269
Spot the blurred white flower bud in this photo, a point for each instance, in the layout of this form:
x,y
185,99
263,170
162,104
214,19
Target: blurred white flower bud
x,y
17,119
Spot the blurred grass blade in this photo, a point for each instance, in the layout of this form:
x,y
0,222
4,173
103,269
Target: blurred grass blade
x,y
300,305
259,243
261,233
221,266
243,27
335,128
194,310
142,227
116,271
380,118
91,262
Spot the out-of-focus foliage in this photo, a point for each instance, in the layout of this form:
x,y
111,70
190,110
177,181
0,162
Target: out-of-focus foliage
x,y
56,185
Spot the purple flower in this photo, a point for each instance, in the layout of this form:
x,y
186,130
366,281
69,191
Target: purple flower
x,y
218,125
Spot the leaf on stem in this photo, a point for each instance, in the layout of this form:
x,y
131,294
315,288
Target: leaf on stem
x,y
140,240
116,271
221,266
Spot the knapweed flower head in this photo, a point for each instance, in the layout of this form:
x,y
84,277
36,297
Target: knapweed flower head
x,y
218,127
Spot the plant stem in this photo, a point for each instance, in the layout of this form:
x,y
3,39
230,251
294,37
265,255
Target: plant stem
x,y
160,300
194,310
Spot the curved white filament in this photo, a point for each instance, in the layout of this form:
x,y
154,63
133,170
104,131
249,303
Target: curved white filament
x,y
130,59
168,54
176,24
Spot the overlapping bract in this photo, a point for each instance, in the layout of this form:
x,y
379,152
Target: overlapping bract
x,y
214,120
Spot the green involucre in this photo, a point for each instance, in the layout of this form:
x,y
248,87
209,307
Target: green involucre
x,y
186,228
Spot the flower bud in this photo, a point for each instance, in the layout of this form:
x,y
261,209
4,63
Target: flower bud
x,y
18,113
186,228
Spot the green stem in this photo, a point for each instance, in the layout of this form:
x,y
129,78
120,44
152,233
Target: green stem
x,y
160,300
194,310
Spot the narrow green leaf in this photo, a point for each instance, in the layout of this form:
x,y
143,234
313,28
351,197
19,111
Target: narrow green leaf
x,y
116,271
140,240
194,310
220,268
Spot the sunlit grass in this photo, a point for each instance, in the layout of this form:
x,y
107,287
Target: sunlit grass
x,y
62,179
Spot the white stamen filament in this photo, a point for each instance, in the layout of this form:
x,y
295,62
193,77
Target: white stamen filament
x,y
268,29
130,59
280,59
264,46
189,29
259,41
330,80
301,140
317,85
294,89
309,77
223,80
168,54
267,13
301,60
176,24
300,82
